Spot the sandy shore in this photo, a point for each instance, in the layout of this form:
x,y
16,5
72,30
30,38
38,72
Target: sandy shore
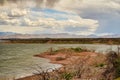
x,y
65,60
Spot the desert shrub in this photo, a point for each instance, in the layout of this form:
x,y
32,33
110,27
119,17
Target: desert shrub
x,y
46,74
118,71
113,67
56,51
117,66
67,76
77,49
65,50
100,65
117,78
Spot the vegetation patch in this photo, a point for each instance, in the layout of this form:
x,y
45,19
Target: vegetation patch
x,y
67,76
78,49
117,66
117,78
100,65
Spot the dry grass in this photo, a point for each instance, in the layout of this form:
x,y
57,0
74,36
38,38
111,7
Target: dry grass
x,y
81,66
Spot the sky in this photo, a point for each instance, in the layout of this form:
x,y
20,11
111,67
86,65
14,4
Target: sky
x,y
79,17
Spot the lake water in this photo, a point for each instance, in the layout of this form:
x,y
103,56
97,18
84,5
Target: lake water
x,y
16,60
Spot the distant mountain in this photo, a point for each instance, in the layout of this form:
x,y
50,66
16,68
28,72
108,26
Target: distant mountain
x,y
111,36
24,36
7,35
4,35
27,36
92,36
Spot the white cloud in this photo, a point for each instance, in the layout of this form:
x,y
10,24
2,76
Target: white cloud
x,y
3,15
19,29
79,5
51,23
107,12
12,22
18,12
84,16
29,19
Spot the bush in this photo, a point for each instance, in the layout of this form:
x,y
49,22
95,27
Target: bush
x,y
117,65
56,50
100,65
77,49
113,65
118,78
67,76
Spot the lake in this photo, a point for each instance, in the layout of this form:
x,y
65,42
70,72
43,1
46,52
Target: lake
x,y
17,60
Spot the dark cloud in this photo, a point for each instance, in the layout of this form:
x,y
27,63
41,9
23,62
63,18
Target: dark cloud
x,y
108,21
2,2
51,3
38,3
47,3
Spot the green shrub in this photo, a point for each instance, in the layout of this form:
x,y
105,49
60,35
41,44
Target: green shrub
x,y
117,65
118,78
56,50
67,76
100,65
77,49
117,62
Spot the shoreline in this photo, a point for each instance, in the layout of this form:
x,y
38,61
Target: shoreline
x,y
62,59
65,40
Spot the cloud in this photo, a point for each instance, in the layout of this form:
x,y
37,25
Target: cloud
x,y
80,16
107,12
53,23
66,5
11,16
16,12
47,19
3,15
82,7
12,12
19,29
88,4
101,16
